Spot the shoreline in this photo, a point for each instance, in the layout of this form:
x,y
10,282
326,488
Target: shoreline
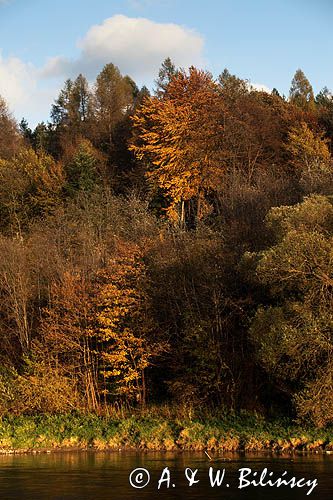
x,y
221,457
231,433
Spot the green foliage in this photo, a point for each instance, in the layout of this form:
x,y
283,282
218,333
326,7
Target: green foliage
x,y
293,337
83,170
151,431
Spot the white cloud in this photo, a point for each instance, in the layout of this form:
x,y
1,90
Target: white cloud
x,y
261,87
17,79
22,89
136,45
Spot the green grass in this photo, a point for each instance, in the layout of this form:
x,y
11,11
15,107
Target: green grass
x,y
160,429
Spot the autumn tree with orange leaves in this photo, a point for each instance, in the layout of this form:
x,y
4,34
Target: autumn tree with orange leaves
x,y
126,334
178,136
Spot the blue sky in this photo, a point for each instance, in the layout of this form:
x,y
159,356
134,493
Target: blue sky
x,y
42,42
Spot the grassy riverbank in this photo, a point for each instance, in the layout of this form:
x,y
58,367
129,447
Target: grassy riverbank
x,y
247,432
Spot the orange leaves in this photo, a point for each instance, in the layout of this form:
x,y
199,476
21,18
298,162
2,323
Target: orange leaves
x,y
123,323
179,136
99,328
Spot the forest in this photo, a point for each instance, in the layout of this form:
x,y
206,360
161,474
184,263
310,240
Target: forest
x,y
169,248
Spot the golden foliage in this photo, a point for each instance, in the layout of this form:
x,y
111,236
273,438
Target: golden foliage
x,y
179,135
309,150
124,324
30,182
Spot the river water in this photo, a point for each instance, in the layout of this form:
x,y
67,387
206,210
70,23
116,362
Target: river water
x,y
105,475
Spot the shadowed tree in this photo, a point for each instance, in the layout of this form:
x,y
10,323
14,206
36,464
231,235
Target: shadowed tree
x,y
324,101
293,336
84,169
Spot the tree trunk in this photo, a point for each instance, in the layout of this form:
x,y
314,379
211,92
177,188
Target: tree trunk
x,y
182,217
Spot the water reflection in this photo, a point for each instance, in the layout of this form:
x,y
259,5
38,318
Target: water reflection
x,y
103,475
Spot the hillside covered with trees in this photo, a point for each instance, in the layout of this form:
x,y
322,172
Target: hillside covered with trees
x,y
169,248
